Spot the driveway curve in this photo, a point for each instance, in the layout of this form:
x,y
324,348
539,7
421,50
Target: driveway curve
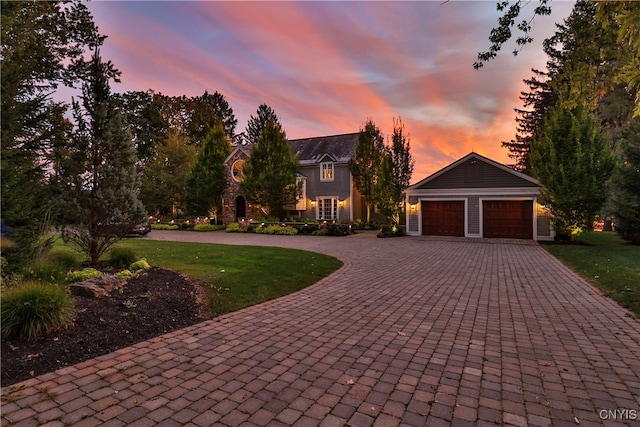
x,y
410,331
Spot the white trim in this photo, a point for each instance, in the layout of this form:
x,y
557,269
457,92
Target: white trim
x,y
442,199
333,172
233,165
506,191
338,207
350,197
479,157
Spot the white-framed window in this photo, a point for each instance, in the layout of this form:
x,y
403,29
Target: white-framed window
x,y
301,193
326,171
236,170
327,208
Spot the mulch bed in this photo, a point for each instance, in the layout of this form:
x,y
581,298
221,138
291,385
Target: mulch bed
x,y
155,303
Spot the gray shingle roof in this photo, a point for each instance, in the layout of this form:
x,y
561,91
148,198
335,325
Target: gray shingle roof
x,y
312,150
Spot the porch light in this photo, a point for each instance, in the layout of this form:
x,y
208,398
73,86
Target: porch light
x,y
412,206
313,203
341,203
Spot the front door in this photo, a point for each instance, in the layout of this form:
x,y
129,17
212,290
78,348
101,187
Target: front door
x,y
241,207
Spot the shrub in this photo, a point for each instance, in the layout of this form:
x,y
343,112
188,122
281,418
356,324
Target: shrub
x,y
159,226
207,227
233,228
186,226
124,274
335,229
141,264
33,308
81,275
68,260
391,231
269,219
52,267
306,228
122,257
277,229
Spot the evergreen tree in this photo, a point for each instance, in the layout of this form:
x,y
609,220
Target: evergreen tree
x,y
96,172
366,161
537,103
270,173
572,161
627,186
39,41
256,124
206,181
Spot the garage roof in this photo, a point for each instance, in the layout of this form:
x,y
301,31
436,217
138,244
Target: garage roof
x,y
475,171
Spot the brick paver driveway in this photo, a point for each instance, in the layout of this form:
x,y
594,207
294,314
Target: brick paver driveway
x,y
411,331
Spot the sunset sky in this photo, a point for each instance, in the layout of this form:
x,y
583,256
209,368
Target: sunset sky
x,y
326,67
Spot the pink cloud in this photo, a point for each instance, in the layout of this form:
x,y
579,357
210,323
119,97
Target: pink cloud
x,y
326,67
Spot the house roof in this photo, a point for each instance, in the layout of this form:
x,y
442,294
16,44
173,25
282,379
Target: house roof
x,y
336,148
475,171
244,149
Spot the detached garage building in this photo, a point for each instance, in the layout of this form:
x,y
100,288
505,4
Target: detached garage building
x,y
477,197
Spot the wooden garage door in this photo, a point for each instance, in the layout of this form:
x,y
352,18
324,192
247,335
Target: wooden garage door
x,y
443,218
510,219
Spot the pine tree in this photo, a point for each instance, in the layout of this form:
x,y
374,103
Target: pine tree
x,y
270,173
537,103
256,124
96,173
39,41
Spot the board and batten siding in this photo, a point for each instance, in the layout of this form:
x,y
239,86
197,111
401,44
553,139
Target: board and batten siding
x,y
474,179
475,175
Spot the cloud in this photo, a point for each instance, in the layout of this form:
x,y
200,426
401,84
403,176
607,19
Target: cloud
x,y
326,67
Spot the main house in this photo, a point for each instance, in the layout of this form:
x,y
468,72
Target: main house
x,y
477,197
326,186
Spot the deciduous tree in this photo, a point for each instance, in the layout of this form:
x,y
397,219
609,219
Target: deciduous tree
x,y
164,177
366,161
206,112
395,173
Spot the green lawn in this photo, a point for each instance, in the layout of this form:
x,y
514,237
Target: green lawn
x,y
236,276
606,261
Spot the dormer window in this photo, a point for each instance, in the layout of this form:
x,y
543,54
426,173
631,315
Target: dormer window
x,y
326,171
